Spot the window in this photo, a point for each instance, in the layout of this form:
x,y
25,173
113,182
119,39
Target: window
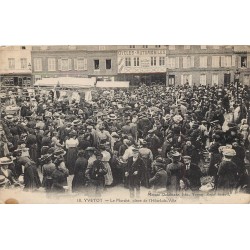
x,y
161,61
23,63
186,46
37,64
102,47
171,47
216,47
136,61
243,61
186,79
157,46
203,61
65,64
203,79
23,47
132,46
128,61
108,64
153,61
144,46
188,62
215,61
96,64
80,63
51,64
203,47
11,63
215,79
226,61
171,62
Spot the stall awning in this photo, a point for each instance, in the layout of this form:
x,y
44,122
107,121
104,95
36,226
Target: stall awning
x,y
66,82
115,84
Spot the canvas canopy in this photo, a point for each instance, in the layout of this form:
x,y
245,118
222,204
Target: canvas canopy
x,y
67,82
115,84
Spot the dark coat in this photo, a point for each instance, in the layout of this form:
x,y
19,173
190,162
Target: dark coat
x,y
193,174
31,177
131,167
159,180
79,174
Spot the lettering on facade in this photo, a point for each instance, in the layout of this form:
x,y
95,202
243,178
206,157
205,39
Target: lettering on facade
x,y
141,52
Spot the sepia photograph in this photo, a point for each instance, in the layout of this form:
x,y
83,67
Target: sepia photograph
x,y
125,124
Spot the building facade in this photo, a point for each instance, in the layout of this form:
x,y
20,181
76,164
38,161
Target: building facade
x,y
74,61
15,66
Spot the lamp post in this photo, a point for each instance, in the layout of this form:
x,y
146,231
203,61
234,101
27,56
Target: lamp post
x,y
236,81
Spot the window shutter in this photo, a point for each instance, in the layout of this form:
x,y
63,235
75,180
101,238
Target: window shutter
x,y
167,62
184,62
69,64
190,80
85,64
75,63
59,64
177,62
222,61
233,60
182,83
192,61
248,61
239,62
205,61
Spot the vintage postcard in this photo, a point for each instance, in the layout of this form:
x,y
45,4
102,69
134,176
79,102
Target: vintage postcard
x,y
125,124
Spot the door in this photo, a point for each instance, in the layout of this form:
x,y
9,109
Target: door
x,y
227,79
171,80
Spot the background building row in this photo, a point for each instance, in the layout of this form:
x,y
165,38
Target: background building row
x,y
24,65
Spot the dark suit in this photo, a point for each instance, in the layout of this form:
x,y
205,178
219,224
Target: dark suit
x,y
193,174
134,180
159,180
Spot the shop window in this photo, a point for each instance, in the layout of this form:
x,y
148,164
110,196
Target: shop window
x,y
203,79
128,61
243,61
153,61
108,64
96,64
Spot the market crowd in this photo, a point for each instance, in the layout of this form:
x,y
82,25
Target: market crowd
x,y
168,139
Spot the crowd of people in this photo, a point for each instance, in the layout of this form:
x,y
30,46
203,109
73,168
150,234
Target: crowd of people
x,y
168,139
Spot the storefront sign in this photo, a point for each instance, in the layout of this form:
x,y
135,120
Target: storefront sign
x,y
141,61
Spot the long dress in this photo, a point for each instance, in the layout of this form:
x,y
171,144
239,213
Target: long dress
x,y
71,146
105,159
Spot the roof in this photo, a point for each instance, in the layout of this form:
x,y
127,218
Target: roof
x,y
66,82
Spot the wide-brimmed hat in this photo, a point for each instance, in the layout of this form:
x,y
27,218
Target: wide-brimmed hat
x,y
73,133
5,161
159,162
76,122
176,154
228,152
115,135
45,157
112,117
59,152
90,149
186,157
